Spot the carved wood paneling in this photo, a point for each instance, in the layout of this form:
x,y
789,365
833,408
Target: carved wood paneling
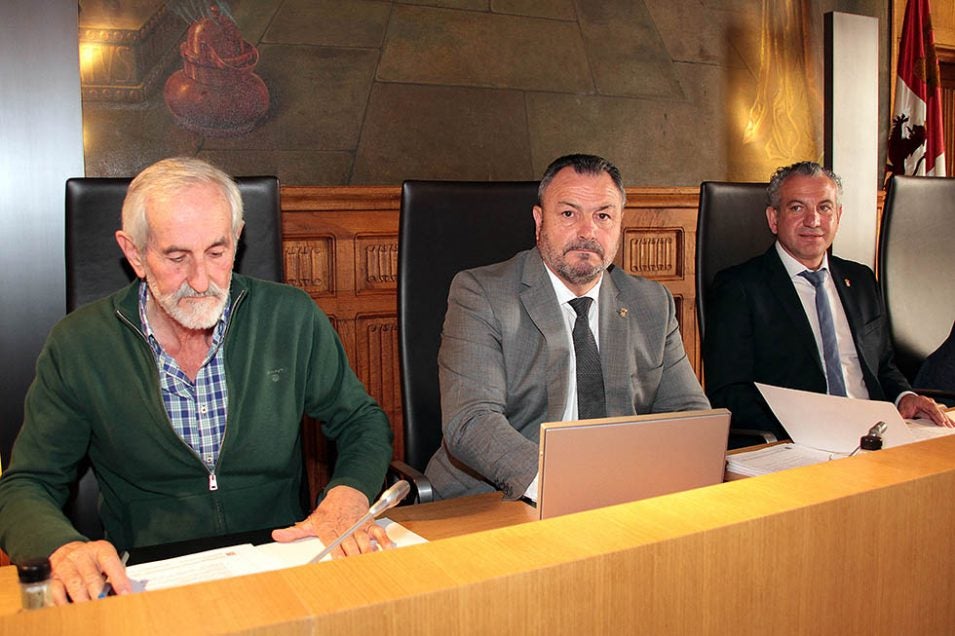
x,y
659,242
310,264
378,367
341,246
655,254
377,263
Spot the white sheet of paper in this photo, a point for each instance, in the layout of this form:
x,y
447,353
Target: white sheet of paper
x,y
301,552
926,429
242,559
773,458
833,423
210,565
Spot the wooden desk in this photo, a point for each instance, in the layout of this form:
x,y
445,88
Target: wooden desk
x,y
864,545
439,520
465,515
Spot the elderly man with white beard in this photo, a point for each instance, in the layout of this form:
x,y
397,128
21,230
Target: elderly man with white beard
x,y
185,393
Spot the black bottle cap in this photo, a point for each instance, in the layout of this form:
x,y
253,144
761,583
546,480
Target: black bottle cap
x,y
33,570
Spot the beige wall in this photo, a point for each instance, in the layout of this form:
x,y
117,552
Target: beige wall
x,y
943,21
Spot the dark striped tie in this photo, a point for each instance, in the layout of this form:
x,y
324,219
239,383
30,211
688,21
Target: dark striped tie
x,y
590,381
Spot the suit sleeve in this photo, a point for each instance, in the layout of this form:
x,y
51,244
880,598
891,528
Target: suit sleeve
x,y
474,392
729,357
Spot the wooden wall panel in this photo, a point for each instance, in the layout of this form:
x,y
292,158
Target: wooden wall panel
x,y
341,246
659,242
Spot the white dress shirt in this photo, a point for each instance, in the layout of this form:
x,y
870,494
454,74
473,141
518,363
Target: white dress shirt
x,y
848,355
564,296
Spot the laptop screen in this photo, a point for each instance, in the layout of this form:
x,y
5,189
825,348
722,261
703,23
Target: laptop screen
x,y
595,463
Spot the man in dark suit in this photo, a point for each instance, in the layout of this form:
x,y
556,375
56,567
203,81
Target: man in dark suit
x,y
767,325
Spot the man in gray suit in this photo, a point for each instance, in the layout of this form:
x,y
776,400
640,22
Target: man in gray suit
x,y
509,359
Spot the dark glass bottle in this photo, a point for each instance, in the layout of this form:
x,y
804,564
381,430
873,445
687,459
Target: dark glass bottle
x,y
34,575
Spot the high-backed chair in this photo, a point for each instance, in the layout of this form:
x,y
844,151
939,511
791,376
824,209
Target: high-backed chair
x,y
916,265
731,228
95,267
446,227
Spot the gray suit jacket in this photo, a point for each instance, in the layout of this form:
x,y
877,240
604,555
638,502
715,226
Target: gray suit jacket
x,y
503,368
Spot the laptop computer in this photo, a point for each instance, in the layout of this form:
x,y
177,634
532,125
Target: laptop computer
x,y
594,463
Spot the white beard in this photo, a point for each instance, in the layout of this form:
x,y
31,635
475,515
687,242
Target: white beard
x,y
194,314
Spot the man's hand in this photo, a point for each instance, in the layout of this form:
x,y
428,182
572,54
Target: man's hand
x,y
341,508
912,406
80,570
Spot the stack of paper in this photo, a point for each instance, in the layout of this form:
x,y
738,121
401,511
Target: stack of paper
x,y
826,427
242,559
926,429
773,458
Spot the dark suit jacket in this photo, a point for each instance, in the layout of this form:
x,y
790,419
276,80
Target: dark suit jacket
x,y
757,331
938,370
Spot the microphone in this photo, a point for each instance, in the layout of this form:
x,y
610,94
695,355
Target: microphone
x,y
872,440
388,499
877,429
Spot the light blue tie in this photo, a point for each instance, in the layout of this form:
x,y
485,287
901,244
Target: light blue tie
x,y
830,347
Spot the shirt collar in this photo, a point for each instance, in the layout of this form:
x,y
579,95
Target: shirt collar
x,y
794,267
564,295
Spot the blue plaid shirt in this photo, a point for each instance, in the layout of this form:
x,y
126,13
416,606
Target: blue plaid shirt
x,y
196,410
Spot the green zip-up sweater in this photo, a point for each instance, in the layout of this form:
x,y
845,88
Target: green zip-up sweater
x,y
96,394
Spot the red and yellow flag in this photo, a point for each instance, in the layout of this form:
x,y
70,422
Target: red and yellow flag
x,y
916,144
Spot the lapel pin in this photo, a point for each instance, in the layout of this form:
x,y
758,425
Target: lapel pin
x,y
847,282
623,311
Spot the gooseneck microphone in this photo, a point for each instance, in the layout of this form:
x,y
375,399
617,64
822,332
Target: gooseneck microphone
x,y
878,429
872,440
388,499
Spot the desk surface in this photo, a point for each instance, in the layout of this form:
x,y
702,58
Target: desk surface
x,y
434,521
858,545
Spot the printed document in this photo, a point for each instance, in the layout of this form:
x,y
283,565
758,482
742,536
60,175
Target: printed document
x,y
242,559
826,427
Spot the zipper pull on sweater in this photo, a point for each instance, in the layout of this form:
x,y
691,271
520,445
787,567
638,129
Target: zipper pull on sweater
x,y
213,484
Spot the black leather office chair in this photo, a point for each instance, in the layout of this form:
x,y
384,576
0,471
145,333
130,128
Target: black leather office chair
x,y
95,267
731,228
916,265
446,227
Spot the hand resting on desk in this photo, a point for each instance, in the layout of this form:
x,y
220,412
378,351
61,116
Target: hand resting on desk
x,y
80,570
913,406
341,508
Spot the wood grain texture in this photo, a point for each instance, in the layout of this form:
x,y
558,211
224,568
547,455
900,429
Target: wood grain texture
x,y
864,545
